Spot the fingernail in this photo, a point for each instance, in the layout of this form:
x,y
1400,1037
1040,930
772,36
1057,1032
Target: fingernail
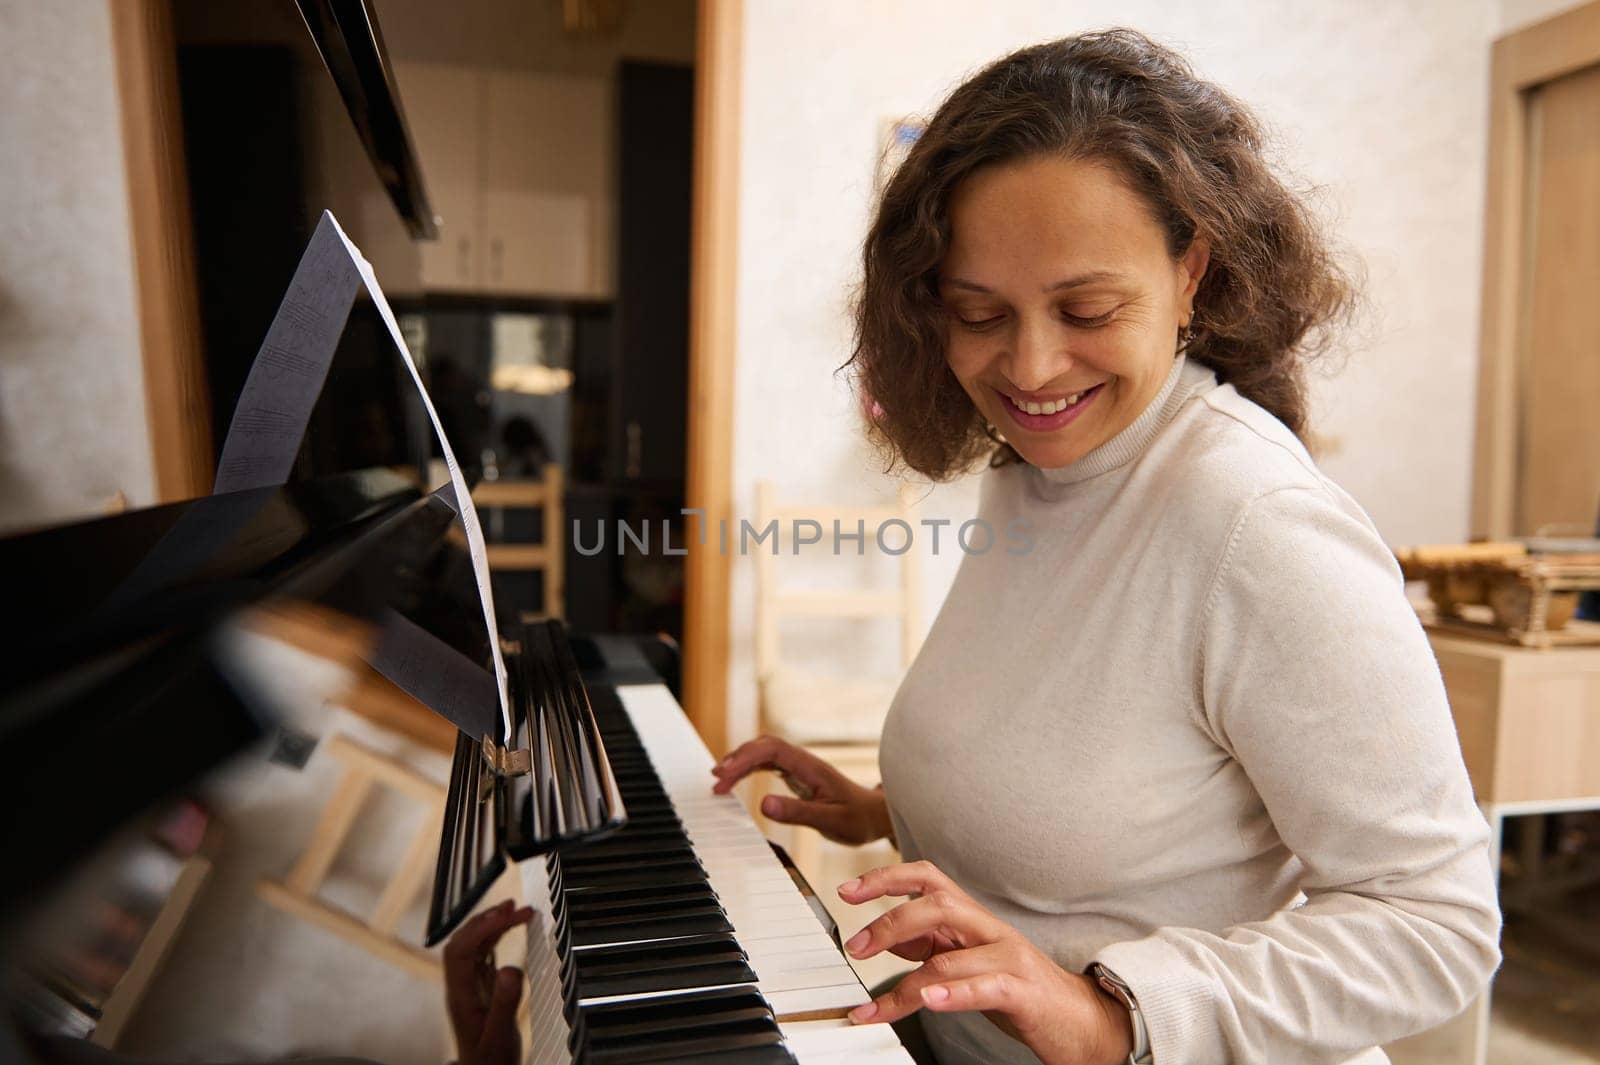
x,y
857,941
769,806
935,995
849,886
862,1014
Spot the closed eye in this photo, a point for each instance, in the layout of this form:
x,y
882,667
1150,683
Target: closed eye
x,y
1089,323
980,324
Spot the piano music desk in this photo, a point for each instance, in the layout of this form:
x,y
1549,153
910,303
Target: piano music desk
x,y
1529,724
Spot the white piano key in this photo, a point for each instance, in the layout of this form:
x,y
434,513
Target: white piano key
x,y
603,1000
814,1042
795,979
800,959
799,967
815,999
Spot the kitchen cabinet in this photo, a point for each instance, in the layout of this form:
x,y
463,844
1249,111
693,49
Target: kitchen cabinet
x,y
518,166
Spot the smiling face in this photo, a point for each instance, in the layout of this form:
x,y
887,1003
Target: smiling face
x,y
1064,303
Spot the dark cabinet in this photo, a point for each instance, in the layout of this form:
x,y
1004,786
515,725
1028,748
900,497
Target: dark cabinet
x,y
651,366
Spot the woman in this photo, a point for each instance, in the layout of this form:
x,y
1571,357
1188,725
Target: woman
x,y
1179,783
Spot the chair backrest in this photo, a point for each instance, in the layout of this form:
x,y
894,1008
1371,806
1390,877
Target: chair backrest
x,y
549,556
773,602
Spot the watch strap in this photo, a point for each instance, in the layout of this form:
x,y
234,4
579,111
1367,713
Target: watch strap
x,y
1118,989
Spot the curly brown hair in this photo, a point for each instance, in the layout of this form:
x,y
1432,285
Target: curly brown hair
x,y
1269,300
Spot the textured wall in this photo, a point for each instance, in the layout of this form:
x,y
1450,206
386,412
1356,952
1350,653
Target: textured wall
x,y
73,429
1380,107
1513,15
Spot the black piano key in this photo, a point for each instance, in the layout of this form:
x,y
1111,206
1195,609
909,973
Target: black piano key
x,y
611,960
647,852
629,839
608,917
754,1045
680,873
607,930
636,914
663,1018
636,892
578,869
582,903
679,965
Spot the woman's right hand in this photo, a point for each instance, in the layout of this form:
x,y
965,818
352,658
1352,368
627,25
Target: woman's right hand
x,y
826,799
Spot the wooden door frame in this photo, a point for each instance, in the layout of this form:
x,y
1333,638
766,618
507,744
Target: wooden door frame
x,y
180,432
167,286
1520,62
713,289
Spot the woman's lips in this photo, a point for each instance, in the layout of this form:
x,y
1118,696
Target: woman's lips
x,y
1044,423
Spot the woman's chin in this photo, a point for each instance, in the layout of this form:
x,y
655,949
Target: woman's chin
x,y
1050,454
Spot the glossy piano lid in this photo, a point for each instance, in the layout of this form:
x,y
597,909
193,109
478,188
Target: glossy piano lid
x,y
103,583
115,688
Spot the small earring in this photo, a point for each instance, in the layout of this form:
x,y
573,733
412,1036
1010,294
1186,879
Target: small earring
x,y
1185,336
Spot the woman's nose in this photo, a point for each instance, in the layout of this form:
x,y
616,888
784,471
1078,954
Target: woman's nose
x,y
1038,355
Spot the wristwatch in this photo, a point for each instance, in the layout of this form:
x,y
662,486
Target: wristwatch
x,y
1117,988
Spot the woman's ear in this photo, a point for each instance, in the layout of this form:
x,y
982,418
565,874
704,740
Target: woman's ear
x,y
1191,268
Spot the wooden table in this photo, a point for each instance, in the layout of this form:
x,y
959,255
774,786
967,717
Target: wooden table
x,y
1529,722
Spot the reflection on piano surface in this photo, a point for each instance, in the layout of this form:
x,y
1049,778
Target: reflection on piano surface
x,y
680,936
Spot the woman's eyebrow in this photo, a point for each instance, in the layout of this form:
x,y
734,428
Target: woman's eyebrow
x,y
1070,282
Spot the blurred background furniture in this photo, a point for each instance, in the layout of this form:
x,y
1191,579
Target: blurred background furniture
x,y
296,893
545,557
839,718
1529,724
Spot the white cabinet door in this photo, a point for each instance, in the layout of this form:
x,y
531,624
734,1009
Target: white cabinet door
x,y
548,184
444,108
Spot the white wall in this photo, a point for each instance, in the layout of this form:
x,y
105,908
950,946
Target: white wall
x,y
1382,107
73,428
1515,14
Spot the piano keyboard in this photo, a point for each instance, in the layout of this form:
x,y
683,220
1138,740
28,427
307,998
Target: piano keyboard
x,y
682,937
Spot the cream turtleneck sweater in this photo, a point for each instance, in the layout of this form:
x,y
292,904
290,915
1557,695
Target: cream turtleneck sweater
x,y
1197,734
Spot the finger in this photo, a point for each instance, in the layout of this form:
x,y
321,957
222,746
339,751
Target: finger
x,y
824,816
999,992
475,938
769,752
466,1011
939,913
500,1040
910,878
921,948
761,753
906,997
464,958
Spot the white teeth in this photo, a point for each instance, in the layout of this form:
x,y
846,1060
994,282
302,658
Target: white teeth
x,y
1055,406
1073,398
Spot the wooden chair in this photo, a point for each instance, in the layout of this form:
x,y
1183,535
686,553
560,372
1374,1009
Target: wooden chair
x,y
297,892
547,557
835,717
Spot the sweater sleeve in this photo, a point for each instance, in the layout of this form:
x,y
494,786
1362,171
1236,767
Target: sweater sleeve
x,y
1315,675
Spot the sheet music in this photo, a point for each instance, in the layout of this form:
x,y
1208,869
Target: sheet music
x,y
291,365
288,375
436,675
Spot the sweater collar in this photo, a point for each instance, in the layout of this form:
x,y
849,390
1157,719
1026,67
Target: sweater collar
x,y
1184,380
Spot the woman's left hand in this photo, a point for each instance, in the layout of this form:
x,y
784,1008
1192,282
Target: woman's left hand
x,y
972,960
